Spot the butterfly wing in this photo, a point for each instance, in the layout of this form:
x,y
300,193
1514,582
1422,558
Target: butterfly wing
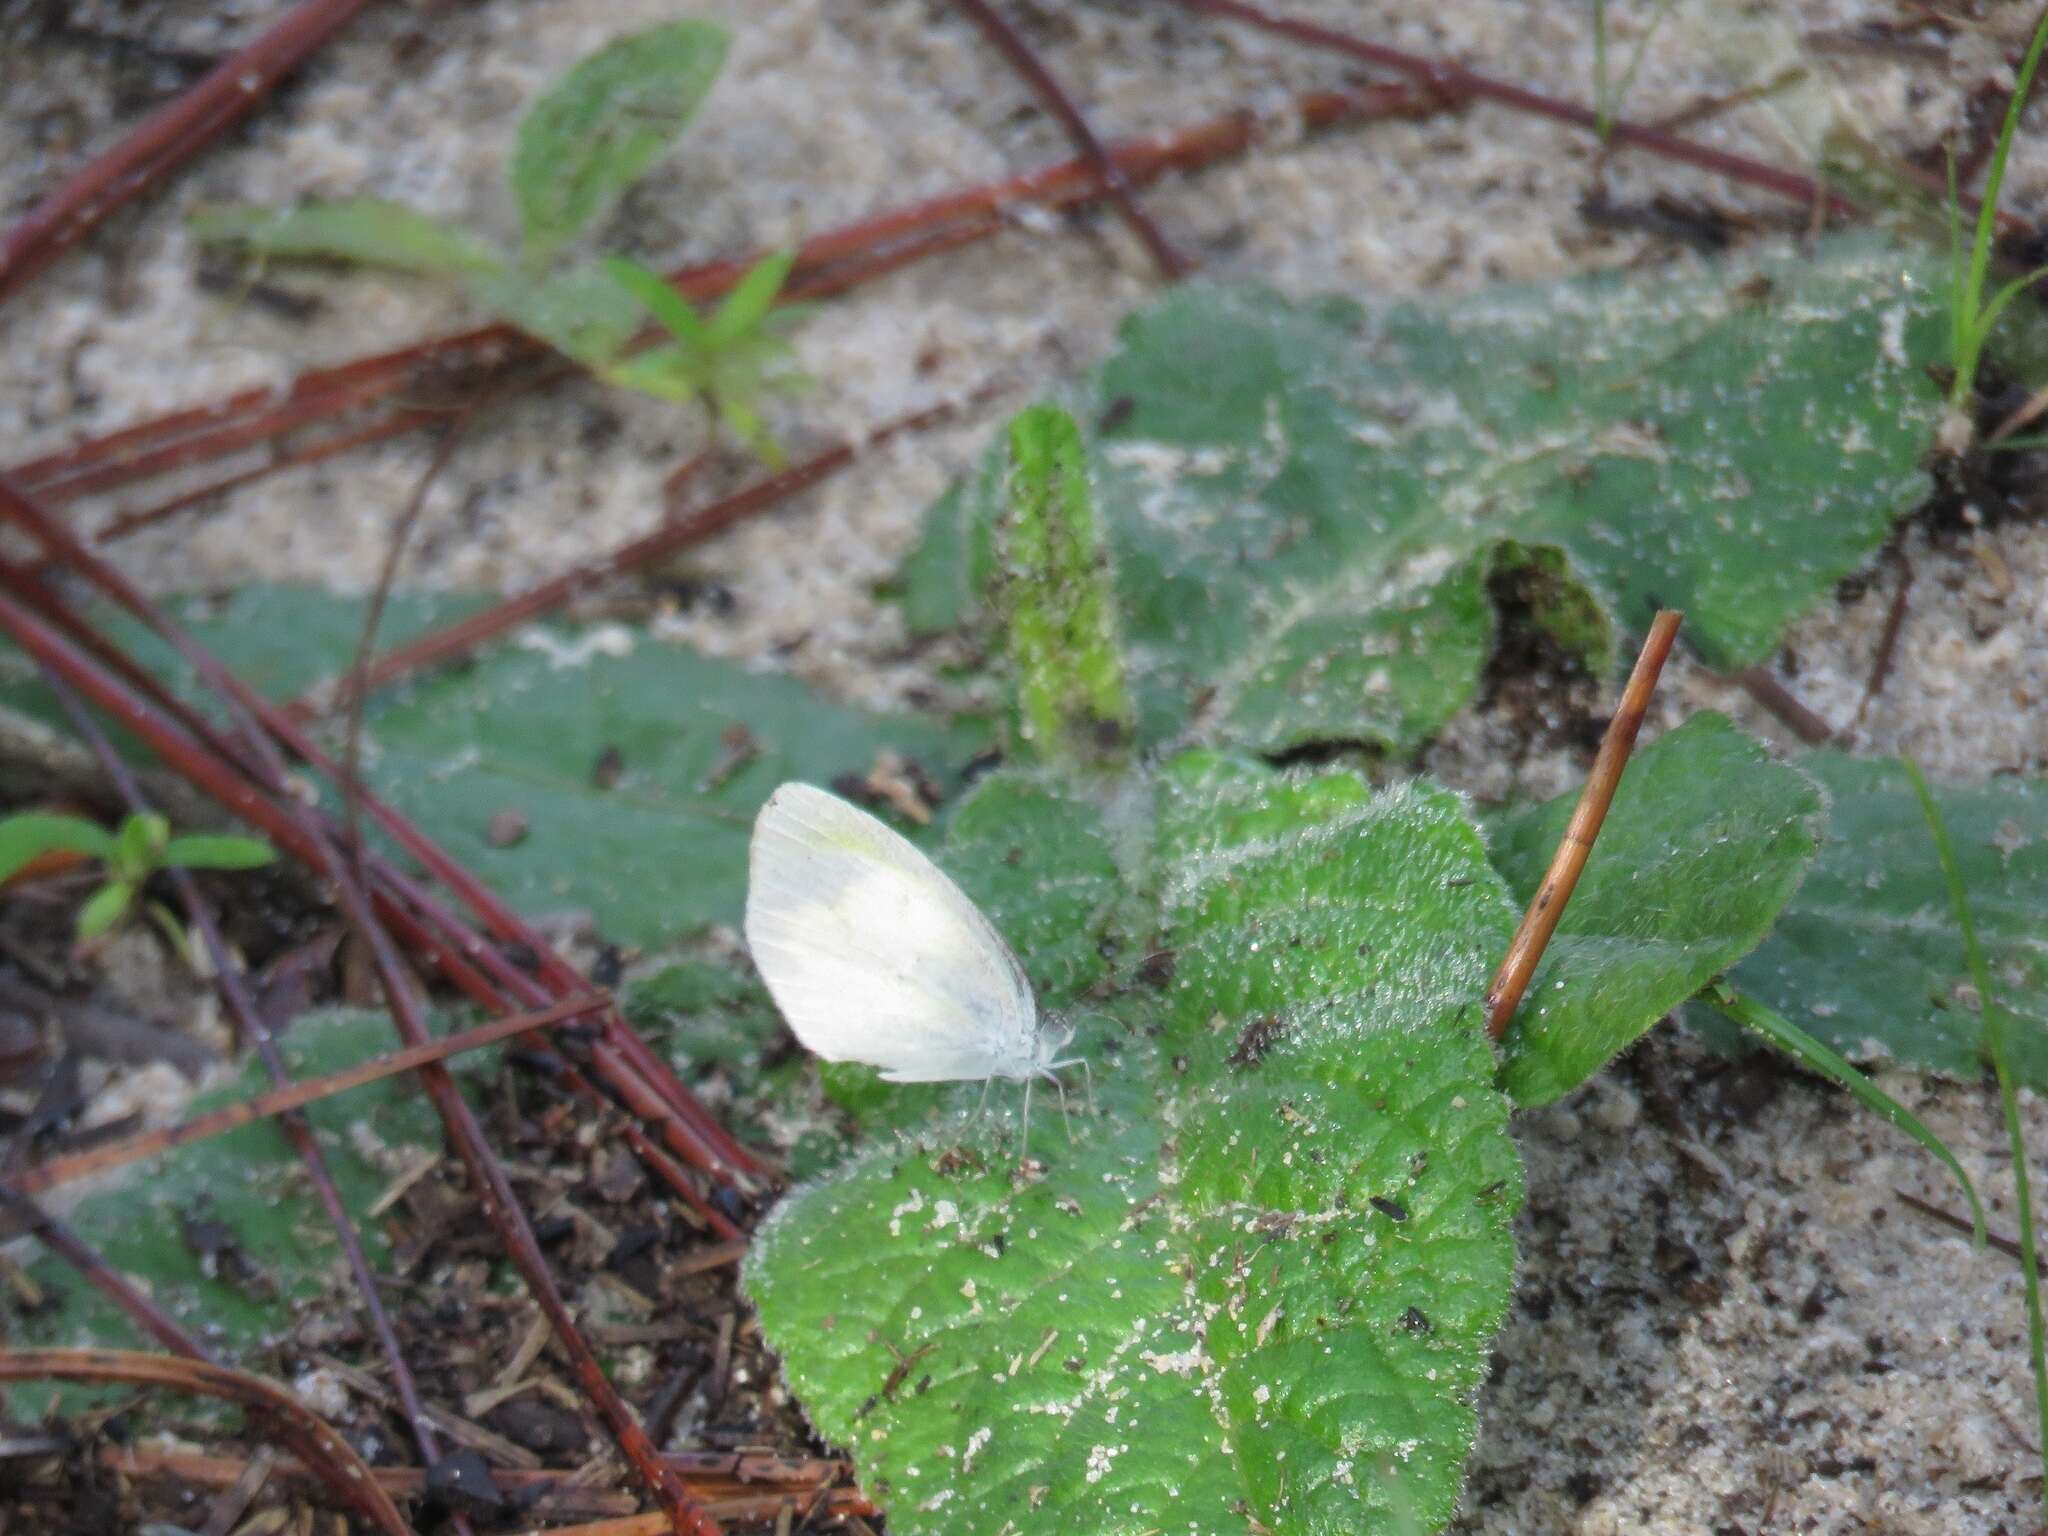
x,y
873,955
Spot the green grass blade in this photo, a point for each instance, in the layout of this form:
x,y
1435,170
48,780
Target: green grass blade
x,y
751,298
1802,1047
655,295
1994,1019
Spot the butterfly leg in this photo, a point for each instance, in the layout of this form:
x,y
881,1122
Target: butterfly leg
x,y
981,1104
1088,1077
1061,1089
1024,1145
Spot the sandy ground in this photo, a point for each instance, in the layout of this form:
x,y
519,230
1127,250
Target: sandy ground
x,y
1726,1323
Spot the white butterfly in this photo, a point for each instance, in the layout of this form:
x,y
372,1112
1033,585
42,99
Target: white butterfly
x,y
874,956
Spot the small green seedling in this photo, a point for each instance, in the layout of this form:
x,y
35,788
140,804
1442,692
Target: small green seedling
x,y
1971,315
128,856
588,139
726,361
1609,93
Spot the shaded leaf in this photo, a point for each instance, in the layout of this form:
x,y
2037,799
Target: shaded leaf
x,y
106,907
1257,1288
1295,494
1706,841
249,1181
600,127
653,853
362,229
1867,957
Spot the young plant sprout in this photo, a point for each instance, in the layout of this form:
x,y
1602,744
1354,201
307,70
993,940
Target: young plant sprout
x,y
128,856
875,956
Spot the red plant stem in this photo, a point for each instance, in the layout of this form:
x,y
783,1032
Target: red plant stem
x,y
75,1251
1046,87
172,133
1457,81
195,434
234,991
466,634
418,917
322,1451
494,1194
58,542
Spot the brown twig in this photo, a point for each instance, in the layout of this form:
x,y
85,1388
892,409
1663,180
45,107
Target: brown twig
x,y
1455,80
304,830
1023,58
172,133
466,634
318,1447
27,1216
1783,704
1887,654
283,1100
254,1027
1573,849
198,434
1951,1220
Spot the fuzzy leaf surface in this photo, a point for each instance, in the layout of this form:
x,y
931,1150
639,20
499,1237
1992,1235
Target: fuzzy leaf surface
x,y
1302,500
1261,1282
1867,956
1706,841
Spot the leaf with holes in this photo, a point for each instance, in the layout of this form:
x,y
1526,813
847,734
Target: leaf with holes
x,y
1867,956
1307,505
1258,1285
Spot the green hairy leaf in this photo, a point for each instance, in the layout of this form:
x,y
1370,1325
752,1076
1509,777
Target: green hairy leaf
x,y
360,229
1706,840
601,126
1067,675
1306,504
1260,1283
1866,957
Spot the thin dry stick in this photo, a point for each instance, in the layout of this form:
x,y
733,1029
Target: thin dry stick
x,y
27,1216
175,131
466,634
249,1019
233,767
1009,42
130,1149
1540,921
494,1192
1887,653
198,434
1786,706
323,1451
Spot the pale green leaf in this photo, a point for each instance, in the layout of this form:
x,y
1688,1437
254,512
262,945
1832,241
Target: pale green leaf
x,y
607,120
27,835
364,229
